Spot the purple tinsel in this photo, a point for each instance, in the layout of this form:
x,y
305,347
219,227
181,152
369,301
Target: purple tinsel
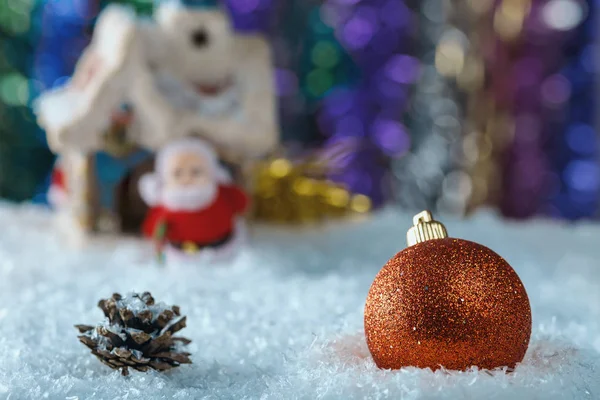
x,y
378,35
537,95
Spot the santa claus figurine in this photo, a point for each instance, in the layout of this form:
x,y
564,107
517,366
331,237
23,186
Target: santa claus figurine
x,y
194,208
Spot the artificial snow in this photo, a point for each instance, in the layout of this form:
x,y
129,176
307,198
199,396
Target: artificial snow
x,y
284,321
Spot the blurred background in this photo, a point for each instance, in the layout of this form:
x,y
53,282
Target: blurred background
x,y
449,105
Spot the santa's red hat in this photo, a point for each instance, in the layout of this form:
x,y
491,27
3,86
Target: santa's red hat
x,y
150,185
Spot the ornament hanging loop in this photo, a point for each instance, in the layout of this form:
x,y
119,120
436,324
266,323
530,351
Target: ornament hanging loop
x,y
425,228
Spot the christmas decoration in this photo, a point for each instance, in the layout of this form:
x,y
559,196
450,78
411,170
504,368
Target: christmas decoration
x,y
514,49
194,205
379,37
136,87
24,158
430,175
64,32
573,187
341,74
488,42
137,334
154,66
297,190
445,302
532,98
321,56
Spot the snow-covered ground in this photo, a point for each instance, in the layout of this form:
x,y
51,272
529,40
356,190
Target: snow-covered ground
x,y
285,320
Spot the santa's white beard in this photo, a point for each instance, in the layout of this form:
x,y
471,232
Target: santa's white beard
x,y
189,198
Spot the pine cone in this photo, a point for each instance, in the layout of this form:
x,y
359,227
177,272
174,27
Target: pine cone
x,y
137,333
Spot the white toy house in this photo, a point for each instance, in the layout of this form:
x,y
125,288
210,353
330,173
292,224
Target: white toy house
x,y
142,83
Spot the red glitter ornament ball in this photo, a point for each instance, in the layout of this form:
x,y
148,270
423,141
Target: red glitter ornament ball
x,y
447,303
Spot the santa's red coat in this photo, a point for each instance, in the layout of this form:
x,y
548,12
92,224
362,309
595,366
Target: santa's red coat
x,y
207,225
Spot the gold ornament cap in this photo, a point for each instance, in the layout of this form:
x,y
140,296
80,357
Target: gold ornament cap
x,y
425,228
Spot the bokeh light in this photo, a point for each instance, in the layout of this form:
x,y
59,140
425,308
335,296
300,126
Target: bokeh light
x,y
325,55
14,89
583,175
402,69
391,137
469,103
564,15
555,90
245,6
582,139
358,32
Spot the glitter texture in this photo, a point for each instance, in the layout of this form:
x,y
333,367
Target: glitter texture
x,y
447,303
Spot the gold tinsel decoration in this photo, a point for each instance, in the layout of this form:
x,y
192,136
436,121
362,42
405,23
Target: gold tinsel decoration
x,y
488,125
298,191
